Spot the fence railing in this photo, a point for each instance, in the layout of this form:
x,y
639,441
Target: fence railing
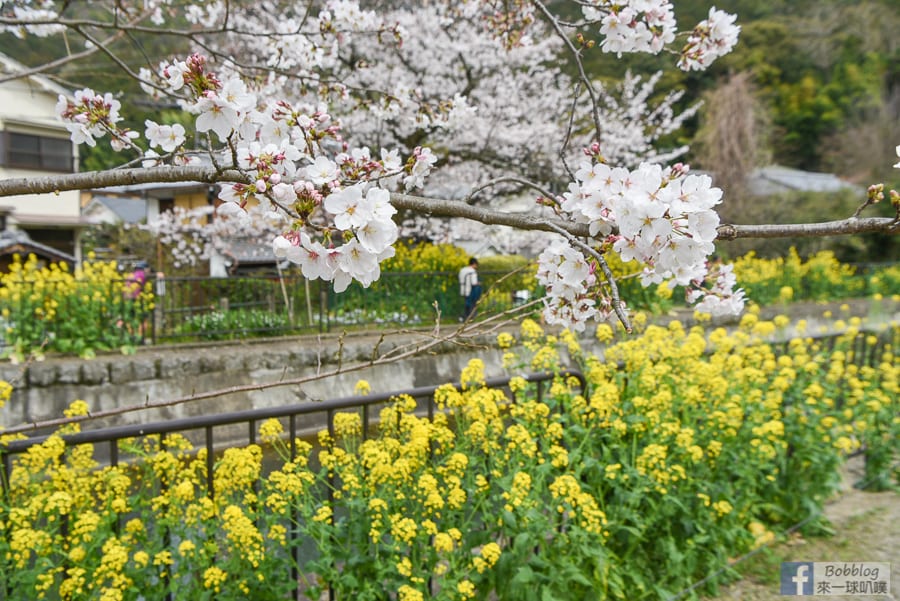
x,y
239,307
303,420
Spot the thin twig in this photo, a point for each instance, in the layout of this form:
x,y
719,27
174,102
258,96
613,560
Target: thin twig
x,y
607,273
509,179
402,352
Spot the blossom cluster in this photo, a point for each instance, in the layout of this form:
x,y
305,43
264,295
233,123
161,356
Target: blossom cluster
x,y
713,37
633,25
90,116
288,152
649,26
662,218
364,215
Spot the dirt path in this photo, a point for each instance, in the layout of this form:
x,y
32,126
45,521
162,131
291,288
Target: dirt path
x,y
867,528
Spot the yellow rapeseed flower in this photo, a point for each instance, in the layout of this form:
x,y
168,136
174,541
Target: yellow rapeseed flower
x,y
466,589
214,578
270,430
408,593
505,340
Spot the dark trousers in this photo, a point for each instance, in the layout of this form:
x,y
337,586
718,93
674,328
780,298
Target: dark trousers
x,y
470,307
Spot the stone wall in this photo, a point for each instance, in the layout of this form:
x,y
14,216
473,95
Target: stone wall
x,y
43,389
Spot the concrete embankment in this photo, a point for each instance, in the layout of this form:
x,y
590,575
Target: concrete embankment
x,y
43,389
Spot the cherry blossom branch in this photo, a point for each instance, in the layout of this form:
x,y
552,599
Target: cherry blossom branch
x,y
607,273
426,206
118,177
726,232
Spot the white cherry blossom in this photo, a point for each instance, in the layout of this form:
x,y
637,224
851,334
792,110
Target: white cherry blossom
x,y
167,137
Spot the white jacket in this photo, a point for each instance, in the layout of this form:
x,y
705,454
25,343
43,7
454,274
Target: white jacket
x,y
468,277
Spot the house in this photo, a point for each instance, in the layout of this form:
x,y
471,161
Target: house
x,y
115,209
144,203
776,179
34,143
17,242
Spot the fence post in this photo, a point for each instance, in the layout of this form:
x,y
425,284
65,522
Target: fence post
x,y
158,308
323,306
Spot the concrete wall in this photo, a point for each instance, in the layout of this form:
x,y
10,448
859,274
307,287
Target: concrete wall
x,y
42,390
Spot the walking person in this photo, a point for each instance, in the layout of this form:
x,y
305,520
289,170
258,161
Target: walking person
x,y
134,315
469,287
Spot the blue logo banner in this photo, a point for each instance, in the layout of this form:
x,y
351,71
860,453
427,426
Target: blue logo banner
x,y
797,578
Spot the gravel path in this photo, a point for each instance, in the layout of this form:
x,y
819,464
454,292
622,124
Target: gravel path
x,y
867,528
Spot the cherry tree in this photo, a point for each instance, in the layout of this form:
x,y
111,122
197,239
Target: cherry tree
x,y
491,114
328,122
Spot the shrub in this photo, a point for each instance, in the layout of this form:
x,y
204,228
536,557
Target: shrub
x,y
783,279
236,324
427,257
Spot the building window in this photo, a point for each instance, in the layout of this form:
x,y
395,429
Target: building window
x,y
28,151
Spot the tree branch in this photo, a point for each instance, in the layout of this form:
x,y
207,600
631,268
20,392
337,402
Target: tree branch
x,y
852,225
464,334
118,177
427,206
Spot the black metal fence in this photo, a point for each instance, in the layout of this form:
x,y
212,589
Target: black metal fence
x,y
193,308
303,420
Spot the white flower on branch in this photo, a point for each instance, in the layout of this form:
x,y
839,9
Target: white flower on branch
x,y
167,137
712,38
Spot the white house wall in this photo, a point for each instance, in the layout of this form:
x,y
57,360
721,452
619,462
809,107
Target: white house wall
x,y
28,107
20,99
64,204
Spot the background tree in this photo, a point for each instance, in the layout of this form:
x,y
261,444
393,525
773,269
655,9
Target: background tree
x,y
732,140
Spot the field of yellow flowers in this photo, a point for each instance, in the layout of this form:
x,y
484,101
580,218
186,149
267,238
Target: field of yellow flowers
x,y
49,308
685,449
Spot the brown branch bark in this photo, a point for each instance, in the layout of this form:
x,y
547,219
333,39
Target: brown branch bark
x,y
842,227
426,206
117,177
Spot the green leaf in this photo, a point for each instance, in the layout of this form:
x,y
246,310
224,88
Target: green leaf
x,y
524,576
522,541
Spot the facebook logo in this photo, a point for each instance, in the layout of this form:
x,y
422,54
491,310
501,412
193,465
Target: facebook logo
x,y
797,578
